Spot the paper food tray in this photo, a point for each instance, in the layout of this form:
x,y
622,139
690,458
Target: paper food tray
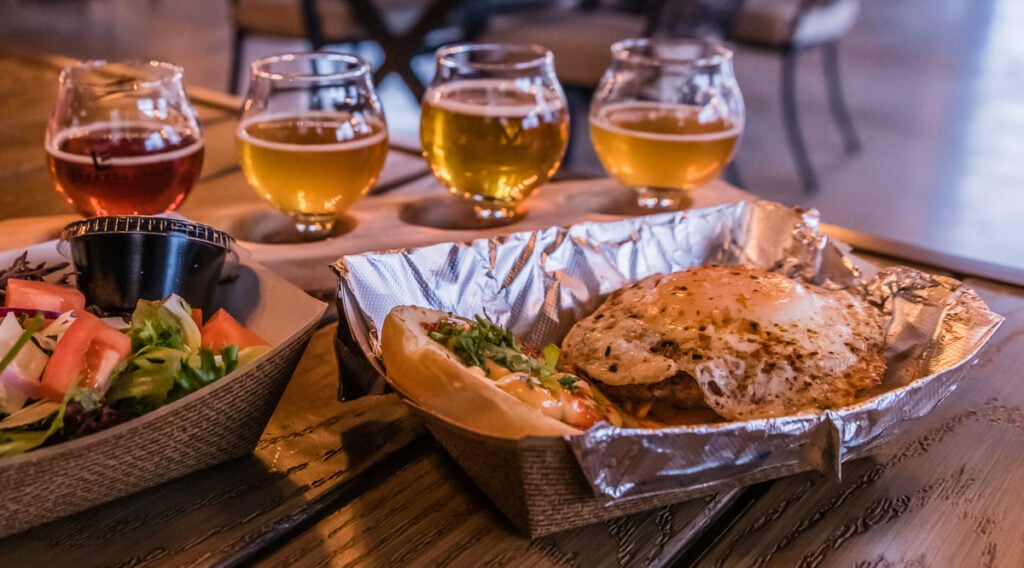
x,y
540,283
217,423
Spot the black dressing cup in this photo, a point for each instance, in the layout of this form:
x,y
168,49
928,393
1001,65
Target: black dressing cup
x,y
122,259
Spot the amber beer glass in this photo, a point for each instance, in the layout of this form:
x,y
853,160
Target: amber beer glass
x,y
123,138
666,117
494,125
312,138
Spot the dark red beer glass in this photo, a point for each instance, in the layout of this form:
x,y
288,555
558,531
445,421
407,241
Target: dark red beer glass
x,y
123,138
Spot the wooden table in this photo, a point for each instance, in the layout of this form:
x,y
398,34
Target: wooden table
x,y
361,483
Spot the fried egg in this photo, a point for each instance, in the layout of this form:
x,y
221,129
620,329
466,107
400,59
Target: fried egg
x,y
755,343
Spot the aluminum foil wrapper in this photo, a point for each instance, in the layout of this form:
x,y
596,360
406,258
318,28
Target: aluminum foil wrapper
x,y
540,283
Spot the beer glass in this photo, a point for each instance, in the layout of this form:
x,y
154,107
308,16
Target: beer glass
x,y
312,137
666,117
123,138
494,125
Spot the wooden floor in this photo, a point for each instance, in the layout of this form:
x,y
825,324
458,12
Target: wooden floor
x,y
934,87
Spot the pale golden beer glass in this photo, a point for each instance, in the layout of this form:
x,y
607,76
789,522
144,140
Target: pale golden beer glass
x,y
494,125
667,117
312,138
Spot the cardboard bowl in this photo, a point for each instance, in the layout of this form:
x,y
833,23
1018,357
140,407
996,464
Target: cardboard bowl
x,y
218,423
536,482
539,283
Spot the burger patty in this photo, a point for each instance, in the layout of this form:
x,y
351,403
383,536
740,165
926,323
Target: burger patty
x,y
748,343
680,391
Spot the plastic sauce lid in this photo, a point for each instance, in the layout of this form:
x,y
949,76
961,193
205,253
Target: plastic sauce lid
x,y
147,225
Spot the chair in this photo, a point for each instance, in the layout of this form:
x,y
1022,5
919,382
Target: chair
x,y
791,27
327,22
580,36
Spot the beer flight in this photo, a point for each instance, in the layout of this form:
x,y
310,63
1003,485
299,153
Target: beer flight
x,y
312,137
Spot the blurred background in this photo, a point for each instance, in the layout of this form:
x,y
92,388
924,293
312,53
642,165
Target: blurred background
x,y
931,153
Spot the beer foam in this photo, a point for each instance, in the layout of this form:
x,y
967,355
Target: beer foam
x,y
602,121
351,144
446,96
54,147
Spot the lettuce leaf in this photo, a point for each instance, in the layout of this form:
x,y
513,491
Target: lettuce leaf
x,y
200,371
164,324
163,336
31,426
21,440
149,375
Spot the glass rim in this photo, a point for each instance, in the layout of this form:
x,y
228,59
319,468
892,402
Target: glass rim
x,y
542,55
89,72
261,68
624,50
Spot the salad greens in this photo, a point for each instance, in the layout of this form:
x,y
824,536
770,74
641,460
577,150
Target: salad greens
x,y
166,363
36,423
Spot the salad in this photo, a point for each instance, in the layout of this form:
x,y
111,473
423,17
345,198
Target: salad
x,y
66,372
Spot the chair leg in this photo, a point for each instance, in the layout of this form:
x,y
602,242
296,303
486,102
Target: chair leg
x,y
836,100
311,23
579,106
236,60
793,133
733,176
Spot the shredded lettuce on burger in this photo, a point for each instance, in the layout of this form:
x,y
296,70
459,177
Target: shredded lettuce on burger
x,y
482,343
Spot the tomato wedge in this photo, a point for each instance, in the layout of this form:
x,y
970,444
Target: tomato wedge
x,y
197,316
222,330
36,295
89,349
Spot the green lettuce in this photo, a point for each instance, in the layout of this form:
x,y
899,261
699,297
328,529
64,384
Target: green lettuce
x,y
167,362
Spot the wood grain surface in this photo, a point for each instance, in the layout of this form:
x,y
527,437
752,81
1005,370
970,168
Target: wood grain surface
x,y
312,450
945,493
429,513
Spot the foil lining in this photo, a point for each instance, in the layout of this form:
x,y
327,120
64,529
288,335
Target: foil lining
x,y
540,283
